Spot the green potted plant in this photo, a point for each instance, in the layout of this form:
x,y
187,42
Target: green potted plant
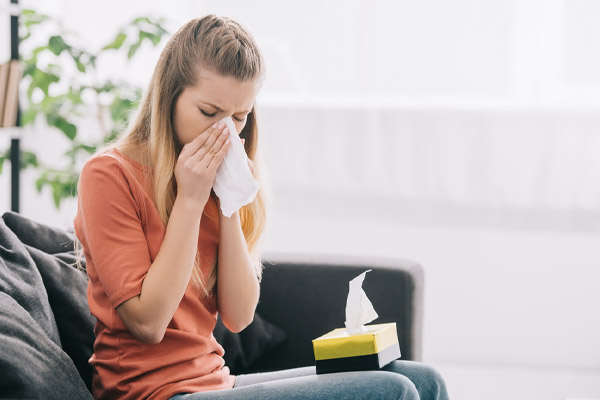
x,y
60,84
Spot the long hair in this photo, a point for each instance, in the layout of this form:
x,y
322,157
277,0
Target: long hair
x,y
222,46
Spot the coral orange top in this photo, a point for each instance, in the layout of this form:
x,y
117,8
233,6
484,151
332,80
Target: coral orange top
x,y
121,233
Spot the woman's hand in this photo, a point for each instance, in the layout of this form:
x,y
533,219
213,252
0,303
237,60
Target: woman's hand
x,y
198,163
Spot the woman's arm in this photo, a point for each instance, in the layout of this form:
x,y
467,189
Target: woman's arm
x,y
148,314
237,283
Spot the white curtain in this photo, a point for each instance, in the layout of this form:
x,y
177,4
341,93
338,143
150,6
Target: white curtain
x,y
542,167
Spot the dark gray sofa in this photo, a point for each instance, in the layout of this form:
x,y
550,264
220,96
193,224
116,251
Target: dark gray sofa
x,y
46,331
306,296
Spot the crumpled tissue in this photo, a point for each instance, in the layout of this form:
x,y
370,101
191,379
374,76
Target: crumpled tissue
x,y
359,310
234,184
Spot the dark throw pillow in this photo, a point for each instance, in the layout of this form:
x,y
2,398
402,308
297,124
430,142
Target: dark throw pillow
x,y
21,280
46,238
243,349
32,365
53,253
66,287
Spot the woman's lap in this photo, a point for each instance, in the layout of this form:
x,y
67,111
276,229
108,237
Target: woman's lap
x,y
395,381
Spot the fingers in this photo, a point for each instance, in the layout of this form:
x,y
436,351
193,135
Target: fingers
x,y
205,139
205,155
218,158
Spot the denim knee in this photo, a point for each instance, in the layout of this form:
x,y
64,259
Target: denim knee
x,y
429,382
436,385
393,386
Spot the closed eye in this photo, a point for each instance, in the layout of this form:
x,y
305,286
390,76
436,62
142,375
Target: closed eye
x,y
207,114
214,114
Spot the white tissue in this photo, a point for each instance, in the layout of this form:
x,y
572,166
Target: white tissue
x,y
234,184
359,310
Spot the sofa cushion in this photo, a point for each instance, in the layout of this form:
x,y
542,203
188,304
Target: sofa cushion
x,y
66,287
52,250
243,349
46,238
32,365
21,280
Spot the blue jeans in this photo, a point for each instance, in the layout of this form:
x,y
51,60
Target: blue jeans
x,y
406,380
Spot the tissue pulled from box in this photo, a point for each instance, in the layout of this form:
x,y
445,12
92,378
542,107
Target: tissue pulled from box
x,y
359,310
234,184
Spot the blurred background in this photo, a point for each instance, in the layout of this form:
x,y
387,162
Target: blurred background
x,y
463,135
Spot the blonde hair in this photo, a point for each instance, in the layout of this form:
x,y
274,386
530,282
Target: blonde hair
x,y
224,47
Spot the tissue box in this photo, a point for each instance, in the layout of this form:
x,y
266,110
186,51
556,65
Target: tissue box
x,y
338,351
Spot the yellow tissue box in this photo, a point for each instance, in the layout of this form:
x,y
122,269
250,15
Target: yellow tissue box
x,y
338,351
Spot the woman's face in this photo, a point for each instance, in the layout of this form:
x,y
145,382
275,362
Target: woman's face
x,y
213,98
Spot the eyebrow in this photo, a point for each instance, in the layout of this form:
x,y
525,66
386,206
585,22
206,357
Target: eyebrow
x,y
220,109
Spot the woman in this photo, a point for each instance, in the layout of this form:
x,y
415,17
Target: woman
x,y
153,235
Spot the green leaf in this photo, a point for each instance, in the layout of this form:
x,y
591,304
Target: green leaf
x,y
68,128
112,136
38,50
90,149
43,80
28,116
30,90
30,18
134,48
141,19
108,86
154,38
65,126
120,107
63,184
49,106
56,45
41,181
75,96
117,42
30,67
56,192
80,66
162,30
2,159
29,159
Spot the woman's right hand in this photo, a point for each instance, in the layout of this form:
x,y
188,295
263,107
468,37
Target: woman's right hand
x,y
198,163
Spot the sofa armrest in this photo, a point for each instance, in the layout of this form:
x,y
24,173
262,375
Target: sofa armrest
x,y
305,295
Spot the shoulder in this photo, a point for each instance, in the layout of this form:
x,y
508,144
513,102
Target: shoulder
x,y
106,164
105,171
107,159
106,184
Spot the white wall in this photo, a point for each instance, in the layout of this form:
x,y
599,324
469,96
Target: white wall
x,y
464,135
